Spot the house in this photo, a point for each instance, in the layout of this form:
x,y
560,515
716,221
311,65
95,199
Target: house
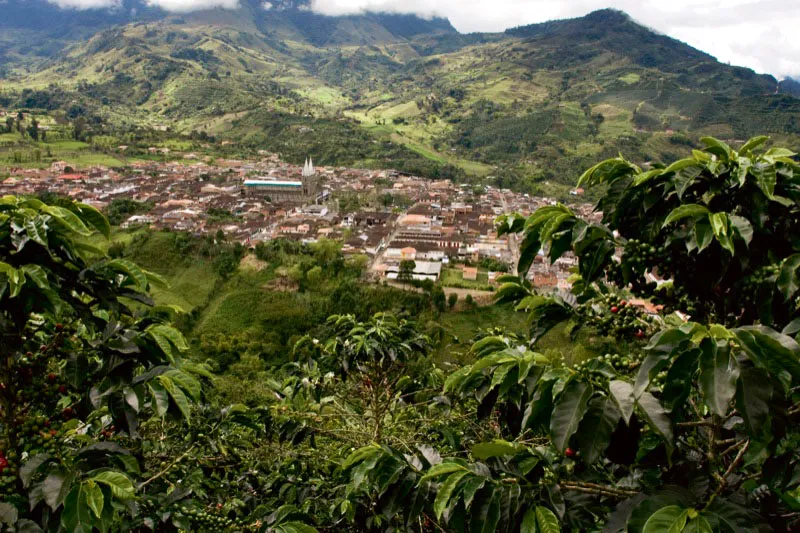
x,y
393,254
432,255
58,166
547,280
416,221
72,177
423,270
137,220
408,254
180,214
470,273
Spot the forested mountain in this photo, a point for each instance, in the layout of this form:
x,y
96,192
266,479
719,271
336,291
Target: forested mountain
x,y
580,88
790,86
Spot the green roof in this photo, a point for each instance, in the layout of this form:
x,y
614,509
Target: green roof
x,y
259,183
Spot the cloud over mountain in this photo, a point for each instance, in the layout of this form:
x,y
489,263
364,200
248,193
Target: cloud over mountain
x,y
181,6
85,4
759,34
178,6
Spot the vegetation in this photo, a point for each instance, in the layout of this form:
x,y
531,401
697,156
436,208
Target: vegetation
x,y
522,109
453,277
86,377
701,413
275,390
627,406
120,209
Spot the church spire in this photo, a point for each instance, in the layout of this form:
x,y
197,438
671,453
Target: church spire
x,y
308,168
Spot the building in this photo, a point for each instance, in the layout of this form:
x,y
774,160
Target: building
x,y
470,273
72,177
286,190
423,270
58,166
138,220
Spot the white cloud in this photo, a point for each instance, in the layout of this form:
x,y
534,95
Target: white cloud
x,y
178,6
85,4
754,33
184,6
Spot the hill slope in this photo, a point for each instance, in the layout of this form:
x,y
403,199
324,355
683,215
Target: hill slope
x,y
537,101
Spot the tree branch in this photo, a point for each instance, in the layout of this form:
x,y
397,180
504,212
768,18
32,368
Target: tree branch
x,y
723,482
695,423
168,467
600,490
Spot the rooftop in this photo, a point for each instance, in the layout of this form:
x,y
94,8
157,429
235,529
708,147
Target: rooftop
x,y
272,183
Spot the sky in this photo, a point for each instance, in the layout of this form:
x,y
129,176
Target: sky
x,y
753,33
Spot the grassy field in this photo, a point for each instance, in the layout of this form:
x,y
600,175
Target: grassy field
x,y
16,151
630,78
67,146
187,288
454,277
464,324
189,283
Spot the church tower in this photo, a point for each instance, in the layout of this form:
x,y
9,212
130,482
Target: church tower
x,y
310,181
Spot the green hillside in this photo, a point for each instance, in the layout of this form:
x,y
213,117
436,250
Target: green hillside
x,y
278,300
436,102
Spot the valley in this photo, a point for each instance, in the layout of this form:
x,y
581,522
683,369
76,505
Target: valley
x,y
267,269
527,106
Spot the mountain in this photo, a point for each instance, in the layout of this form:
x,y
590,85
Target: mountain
x,y
41,15
285,18
791,86
531,104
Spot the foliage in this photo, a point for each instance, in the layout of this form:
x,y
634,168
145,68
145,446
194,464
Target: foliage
x,y
185,247
688,427
96,393
81,362
452,300
677,411
708,404
120,209
493,265
406,271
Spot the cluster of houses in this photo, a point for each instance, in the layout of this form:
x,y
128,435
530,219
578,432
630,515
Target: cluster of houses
x,y
251,201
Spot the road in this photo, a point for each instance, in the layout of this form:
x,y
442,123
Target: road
x,y
378,259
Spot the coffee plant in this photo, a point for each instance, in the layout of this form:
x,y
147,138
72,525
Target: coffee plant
x,y
695,426
97,394
689,425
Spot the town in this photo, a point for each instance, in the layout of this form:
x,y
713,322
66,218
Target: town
x,y
445,231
